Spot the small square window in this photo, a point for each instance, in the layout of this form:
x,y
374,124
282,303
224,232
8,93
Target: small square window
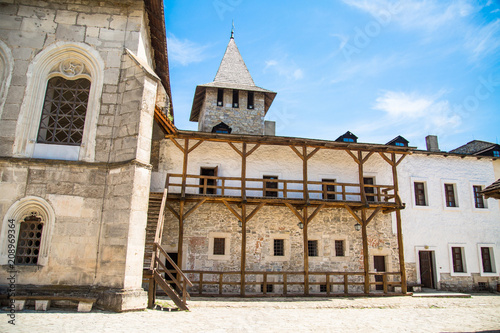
x,y
339,248
496,153
312,248
328,189
269,288
279,247
219,246
322,288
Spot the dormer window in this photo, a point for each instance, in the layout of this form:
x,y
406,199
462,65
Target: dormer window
x,y
400,144
347,137
220,97
496,153
236,97
250,100
221,128
398,141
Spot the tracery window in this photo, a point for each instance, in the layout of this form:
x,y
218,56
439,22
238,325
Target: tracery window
x,y
64,111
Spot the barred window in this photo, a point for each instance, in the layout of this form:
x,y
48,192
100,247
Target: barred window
x,y
339,248
219,246
312,248
64,111
279,247
28,243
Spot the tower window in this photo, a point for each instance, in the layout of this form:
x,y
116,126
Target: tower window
x,y
236,97
250,100
64,111
220,97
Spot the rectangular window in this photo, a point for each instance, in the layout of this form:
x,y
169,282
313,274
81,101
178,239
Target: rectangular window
x,y
312,248
369,189
279,247
322,288
269,288
449,192
486,259
219,246
28,243
236,98
328,188
220,97
478,197
271,188
458,263
207,185
339,248
420,194
250,100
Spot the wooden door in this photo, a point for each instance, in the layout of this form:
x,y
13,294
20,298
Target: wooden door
x,y
369,190
426,269
205,189
379,266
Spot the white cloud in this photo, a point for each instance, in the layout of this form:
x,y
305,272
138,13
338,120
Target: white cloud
x,y
184,51
484,40
286,68
423,14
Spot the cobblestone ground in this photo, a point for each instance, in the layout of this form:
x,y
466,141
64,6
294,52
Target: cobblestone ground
x,y
481,312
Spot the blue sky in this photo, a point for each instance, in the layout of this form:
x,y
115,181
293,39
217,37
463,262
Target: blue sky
x,y
377,68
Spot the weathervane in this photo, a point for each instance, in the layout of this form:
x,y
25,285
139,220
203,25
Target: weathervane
x,y
232,31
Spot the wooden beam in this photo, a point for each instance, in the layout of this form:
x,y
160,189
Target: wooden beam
x,y
316,211
361,178
349,209
311,154
297,152
256,209
400,159
367,157
366,257
385,158
184,167
192,209
181,235
253,149
373,215
177,144
170,208
353,156
306,253
304,174
235,149
195,145
295,212
238,216
244,171
402,267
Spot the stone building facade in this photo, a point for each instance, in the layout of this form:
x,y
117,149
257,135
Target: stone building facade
x,y
75,140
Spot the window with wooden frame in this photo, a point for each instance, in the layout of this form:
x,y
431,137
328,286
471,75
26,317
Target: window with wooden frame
x,y
449,193
312,248
457,259
269,288
250,99
478,197
208,185
270,188
368,189
219,246
220,97
328,188
64,111
29,240
420,194
279,247
339,248
236,98
486,260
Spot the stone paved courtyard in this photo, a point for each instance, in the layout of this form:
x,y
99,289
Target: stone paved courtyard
x,y
481,312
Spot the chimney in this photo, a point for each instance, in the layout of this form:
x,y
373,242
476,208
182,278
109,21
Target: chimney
x,y
269,128
432,143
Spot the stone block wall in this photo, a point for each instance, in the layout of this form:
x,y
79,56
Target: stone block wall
x,y
241,119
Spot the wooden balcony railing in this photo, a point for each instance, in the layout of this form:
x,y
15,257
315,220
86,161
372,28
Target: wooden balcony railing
x,y
278,188
228,283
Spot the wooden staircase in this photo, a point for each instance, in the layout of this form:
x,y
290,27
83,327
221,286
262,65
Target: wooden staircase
x,y
153,266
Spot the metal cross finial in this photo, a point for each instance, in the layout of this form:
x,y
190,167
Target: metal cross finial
x,y
232,31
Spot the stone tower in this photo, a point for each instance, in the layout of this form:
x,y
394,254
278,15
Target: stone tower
x,y
232,103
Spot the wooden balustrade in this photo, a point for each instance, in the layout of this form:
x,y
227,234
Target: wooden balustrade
x,y
285,189
342,279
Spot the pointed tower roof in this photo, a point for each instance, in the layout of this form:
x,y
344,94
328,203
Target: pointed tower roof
x,y
232,74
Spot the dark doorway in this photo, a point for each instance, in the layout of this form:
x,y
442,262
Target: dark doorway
x,y
271,188
379,266
171,269
369,190
206,184
426,269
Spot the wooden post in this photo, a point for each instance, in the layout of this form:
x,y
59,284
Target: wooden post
x,y
181,234
399,227
184,168
244,172
365,251
306,253
243,248
304,174
361,181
